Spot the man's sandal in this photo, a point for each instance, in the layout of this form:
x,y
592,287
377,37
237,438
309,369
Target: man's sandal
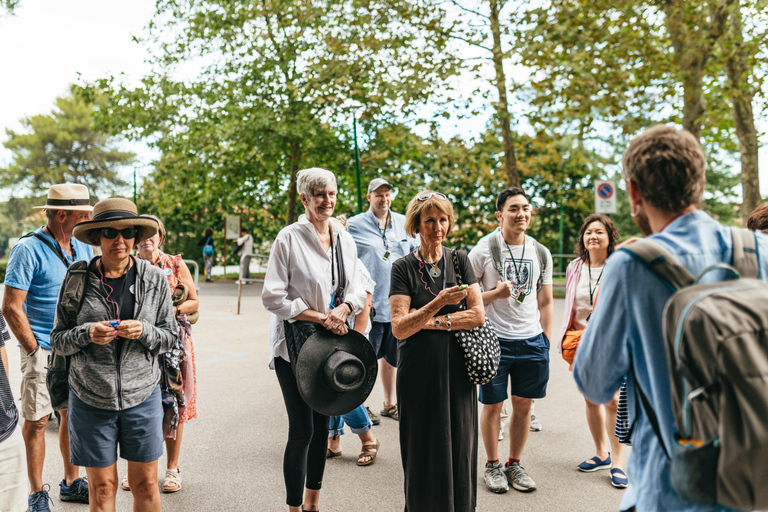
x,y
368,454
172,481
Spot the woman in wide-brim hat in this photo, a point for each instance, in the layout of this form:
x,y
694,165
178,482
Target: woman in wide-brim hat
x,y
125,321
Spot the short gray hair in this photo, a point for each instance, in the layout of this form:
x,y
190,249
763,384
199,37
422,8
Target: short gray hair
x,y
315,179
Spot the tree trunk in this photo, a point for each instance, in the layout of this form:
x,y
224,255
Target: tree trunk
x,y
736,67
294,161
693,41
502,107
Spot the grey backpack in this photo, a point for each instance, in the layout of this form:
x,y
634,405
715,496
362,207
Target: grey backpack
x,y
717,348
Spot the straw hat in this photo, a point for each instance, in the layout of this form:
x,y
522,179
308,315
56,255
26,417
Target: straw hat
x,y
118,213
68,197
335,374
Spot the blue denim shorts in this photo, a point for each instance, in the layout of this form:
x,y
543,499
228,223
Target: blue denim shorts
x,y
383,342
94,433
525,364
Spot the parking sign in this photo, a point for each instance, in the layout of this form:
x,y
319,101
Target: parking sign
x,y
605,197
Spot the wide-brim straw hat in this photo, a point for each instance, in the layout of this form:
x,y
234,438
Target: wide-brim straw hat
x,y
335,374
67,197
118,213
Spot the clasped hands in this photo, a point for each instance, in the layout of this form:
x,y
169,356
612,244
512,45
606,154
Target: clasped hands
x,y
336,320
102,333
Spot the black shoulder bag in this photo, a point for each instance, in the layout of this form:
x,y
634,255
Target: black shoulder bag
x,y
482,353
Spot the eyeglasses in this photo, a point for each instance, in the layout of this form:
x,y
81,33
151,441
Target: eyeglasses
x,y
127,233
427,195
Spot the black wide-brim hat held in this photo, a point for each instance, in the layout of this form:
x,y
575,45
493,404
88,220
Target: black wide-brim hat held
x,y
335,374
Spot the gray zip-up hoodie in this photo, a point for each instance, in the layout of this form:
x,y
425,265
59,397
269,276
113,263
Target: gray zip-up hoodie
x,y
98,375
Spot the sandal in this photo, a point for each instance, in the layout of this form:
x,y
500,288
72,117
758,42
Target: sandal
x,y
370,450
172,481
124,485
330,454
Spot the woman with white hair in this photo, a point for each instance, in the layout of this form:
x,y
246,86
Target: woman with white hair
x,y
303,283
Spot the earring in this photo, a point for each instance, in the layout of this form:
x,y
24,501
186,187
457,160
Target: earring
x,y
633,212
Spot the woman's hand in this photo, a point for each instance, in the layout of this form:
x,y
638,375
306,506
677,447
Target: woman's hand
x,y
451,296
130,329
336,320
101,333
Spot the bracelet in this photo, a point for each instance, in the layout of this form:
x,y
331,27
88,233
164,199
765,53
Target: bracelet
x,y
437,322
349,305
448,321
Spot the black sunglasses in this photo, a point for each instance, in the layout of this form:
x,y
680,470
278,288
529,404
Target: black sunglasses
x,y
127,233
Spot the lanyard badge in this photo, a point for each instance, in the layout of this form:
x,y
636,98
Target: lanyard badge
x,y
386,255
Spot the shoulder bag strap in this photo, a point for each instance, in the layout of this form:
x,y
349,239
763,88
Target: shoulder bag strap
x,y
661,262
541,253
340,267
459,280
49,244
745,256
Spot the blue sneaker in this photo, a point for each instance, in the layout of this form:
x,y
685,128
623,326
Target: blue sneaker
x,y
76,493
38,502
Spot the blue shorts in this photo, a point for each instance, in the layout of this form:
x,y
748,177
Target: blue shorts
x,y
525,363
95,433
383,342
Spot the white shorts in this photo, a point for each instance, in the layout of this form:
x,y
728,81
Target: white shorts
x,y
13,473
35,398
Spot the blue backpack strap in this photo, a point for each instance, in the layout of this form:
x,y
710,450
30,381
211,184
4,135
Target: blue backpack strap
x,y
661,262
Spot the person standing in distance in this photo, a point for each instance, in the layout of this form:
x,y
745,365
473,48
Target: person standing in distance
x,y
381,240
520,307
246,240
36,268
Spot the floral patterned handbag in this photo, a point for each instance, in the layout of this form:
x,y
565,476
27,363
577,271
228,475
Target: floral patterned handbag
x,y
480,345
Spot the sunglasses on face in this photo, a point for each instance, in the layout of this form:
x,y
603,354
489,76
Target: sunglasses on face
x,y
427,195
127,233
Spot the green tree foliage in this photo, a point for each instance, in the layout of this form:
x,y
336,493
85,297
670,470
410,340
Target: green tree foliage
x,y
278,82
8,6
63,147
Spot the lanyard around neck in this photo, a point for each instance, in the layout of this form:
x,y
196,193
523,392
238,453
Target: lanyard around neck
x,y
597,284
517,272
382,232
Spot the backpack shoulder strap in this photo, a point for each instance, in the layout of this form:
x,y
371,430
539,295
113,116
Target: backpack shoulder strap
x,y
541,253
73,290
661,262
48,243
745,257
495,249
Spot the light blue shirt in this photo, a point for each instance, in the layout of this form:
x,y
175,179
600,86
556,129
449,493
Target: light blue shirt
x,y
372,242
625,332
34,268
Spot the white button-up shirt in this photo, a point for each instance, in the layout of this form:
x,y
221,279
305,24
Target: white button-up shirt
x,y
298,278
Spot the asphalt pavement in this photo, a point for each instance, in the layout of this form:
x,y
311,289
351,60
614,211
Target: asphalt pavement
x,y
231,458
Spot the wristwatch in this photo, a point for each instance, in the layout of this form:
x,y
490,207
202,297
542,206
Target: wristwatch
x,y
349,305
448,321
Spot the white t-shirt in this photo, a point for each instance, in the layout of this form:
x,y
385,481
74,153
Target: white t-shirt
x,y
512,320
581,306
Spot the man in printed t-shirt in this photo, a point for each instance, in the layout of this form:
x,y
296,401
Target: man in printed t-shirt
x,y
521,314
36,268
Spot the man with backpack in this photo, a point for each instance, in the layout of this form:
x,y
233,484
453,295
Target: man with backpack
x,y
712,331
515,272
36,268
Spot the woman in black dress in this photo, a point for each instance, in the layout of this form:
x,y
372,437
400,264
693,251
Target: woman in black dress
x,y
437,402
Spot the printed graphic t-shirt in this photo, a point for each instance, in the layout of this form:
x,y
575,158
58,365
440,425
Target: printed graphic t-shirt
x,y
512,320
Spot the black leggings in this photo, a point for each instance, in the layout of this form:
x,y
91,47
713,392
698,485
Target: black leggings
x,y
304,458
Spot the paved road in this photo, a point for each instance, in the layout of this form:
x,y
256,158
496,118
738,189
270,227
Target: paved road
x,y
232,454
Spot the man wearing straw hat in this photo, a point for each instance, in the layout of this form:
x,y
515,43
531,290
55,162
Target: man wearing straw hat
x,y
36,268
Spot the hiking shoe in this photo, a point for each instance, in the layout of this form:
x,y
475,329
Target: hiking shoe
x,y
77,492
39,501
518,478
375,420
495,479
390,411
535,423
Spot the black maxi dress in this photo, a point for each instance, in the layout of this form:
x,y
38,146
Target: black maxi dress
x,y
436,400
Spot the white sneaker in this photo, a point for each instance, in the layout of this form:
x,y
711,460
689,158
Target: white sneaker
x,y
535,423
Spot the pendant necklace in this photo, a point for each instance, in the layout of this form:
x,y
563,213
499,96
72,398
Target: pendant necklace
x,y
434,270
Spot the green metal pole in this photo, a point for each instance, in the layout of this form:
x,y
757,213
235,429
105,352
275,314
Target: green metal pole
x,y
357,168
134,185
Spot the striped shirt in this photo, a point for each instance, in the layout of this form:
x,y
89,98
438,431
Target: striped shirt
x,y
9,415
